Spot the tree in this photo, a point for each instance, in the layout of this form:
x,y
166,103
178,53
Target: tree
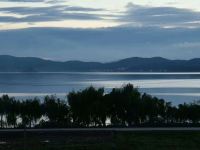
x,y
125,104
171,114
5,103
183,113
194,112
87,107
30,111
56,110
13,113
149,107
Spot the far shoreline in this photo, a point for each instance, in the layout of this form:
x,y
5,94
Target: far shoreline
x,y
104,72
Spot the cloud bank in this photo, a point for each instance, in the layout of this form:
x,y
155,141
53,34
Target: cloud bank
x,y
101,44
166,17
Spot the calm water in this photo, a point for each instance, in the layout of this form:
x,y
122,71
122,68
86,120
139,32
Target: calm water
x,y
175,87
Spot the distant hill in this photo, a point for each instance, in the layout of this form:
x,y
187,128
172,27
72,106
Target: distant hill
x,y
135,64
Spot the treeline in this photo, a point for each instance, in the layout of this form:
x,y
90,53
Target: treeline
x,y
91,107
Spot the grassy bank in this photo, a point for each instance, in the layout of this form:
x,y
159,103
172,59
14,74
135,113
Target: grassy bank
x,y
188,140
158,141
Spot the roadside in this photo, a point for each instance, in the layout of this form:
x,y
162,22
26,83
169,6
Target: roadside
x,y
86,139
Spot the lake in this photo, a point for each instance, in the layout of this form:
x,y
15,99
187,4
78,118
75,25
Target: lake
x,y
174,87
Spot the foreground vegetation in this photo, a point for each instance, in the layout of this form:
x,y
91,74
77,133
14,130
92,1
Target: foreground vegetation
x,y
91,107
151,140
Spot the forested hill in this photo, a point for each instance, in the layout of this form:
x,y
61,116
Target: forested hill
x,y
136,64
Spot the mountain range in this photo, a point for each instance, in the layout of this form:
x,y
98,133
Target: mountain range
x,y
134,64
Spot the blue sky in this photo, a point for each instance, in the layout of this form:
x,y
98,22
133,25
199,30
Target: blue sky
x,y
103,30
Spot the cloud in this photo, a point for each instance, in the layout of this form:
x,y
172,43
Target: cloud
x,y
24,0
50,13
48,1
137,15
103,44
41,10
188,45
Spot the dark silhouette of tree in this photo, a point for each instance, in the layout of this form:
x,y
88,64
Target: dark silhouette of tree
x,y
171,113
13,113
194,112
4,108
56,110
30,111
183,114
149,107
124,106
87,107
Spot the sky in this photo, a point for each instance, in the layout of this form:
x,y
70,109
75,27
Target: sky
x,y
103,30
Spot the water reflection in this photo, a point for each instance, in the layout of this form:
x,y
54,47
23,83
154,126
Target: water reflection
x,y
171,86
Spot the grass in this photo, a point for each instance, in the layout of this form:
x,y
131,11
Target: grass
x,y
105,141
158,141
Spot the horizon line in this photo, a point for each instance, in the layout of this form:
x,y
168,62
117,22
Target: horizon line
x,y
84,61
